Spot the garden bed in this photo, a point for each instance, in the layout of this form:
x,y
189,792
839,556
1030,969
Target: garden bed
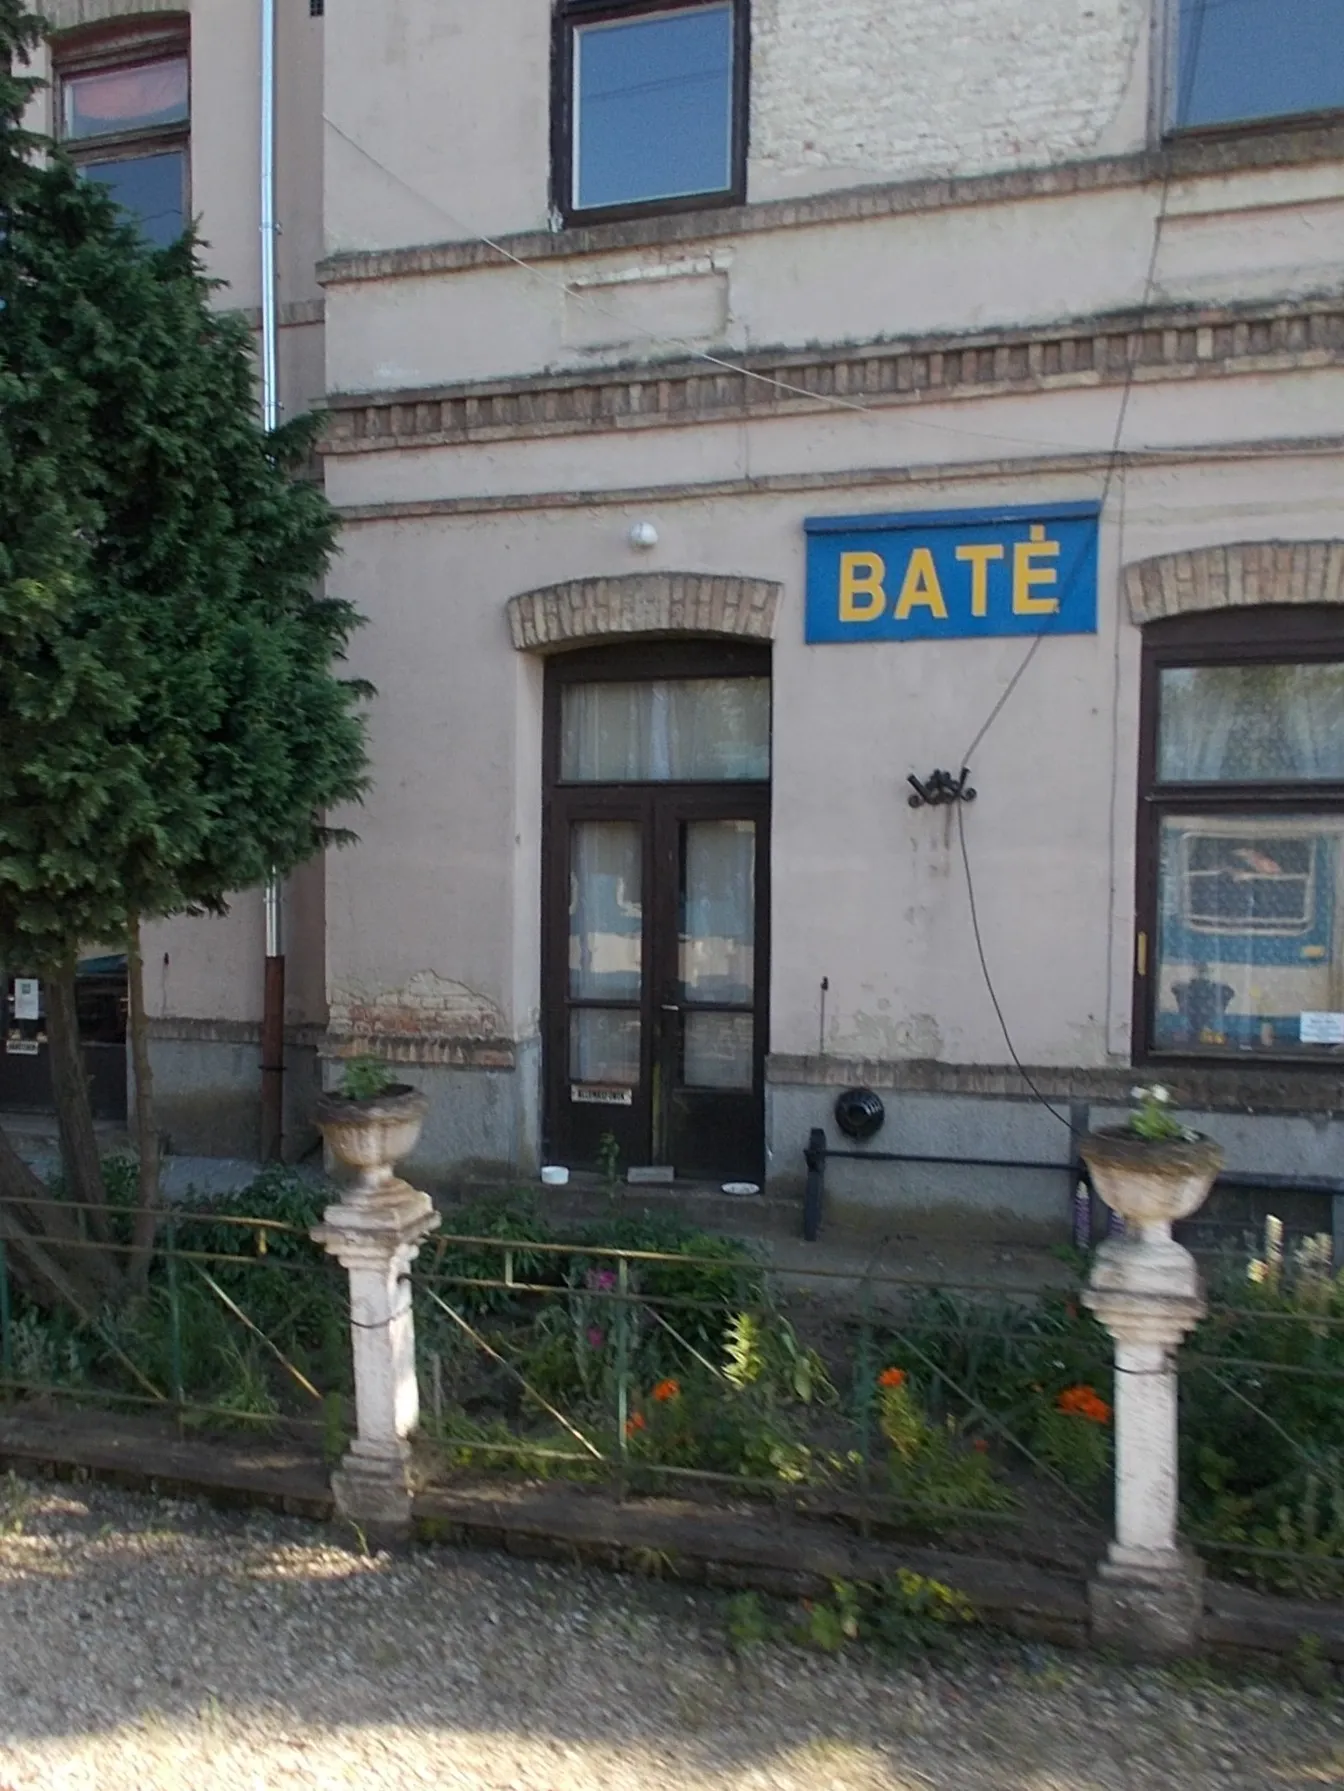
x,y
660,1361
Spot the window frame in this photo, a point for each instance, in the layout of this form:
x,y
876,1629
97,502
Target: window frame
x,y
567,17
104,49
1253,636
1170,129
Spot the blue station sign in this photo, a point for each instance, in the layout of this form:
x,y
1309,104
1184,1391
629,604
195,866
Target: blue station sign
x,y
953,574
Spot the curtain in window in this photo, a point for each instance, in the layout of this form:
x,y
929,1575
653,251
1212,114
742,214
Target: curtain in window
x,y
126,99
689,730
1252,723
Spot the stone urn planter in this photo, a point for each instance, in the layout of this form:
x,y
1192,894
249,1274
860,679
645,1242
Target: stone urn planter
x,y
1145,1288
1153,1183
370,1134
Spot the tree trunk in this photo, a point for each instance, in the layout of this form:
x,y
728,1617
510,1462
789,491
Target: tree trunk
x,y
146,1133
80,1161
48,1255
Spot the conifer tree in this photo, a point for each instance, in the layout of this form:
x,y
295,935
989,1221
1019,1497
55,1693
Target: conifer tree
x,y
172,722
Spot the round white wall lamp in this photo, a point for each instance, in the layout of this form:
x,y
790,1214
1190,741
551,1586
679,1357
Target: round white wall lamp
x,y
643,534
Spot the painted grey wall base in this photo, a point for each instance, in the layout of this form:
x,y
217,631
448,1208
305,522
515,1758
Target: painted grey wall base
x,y
482,1123
1015,1204
207,1098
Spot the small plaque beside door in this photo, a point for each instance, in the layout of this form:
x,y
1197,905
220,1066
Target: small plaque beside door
x,y
601,1097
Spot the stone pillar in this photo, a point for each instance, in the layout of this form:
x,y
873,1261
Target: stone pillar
x,y
377,1239
1147,1597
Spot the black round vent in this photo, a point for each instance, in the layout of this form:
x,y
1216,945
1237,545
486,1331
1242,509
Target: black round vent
x,y
859,1113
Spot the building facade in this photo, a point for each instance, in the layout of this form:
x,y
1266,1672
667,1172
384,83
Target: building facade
x,y
739,408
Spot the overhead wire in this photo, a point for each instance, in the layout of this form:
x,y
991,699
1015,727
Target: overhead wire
x,y
836,402
586,296
1187,75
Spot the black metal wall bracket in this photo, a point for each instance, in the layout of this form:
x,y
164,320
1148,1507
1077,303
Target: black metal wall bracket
x,y
940,789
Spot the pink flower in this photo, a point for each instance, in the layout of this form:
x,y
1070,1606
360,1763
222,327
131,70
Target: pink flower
x,y
596,1337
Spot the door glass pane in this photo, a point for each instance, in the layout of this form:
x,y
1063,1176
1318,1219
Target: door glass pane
x,y
1249,933
126,99
718,912
717,1051
606,910
686,730
653,107
604,1046
150,187
1251,723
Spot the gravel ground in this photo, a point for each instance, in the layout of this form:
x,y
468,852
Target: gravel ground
x,y
146,1643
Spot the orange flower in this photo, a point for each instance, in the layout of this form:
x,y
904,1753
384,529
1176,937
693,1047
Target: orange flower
x,y
1084,1402
980,1446
634,1425
666,1390
891,1377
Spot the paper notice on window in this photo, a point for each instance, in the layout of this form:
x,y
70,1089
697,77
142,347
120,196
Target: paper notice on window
x,y
1322,1029
26,997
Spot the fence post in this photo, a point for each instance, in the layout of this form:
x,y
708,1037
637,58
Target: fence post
x,y
376,1237
1147,1596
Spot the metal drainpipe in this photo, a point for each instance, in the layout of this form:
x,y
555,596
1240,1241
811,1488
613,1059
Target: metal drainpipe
x,y
273,997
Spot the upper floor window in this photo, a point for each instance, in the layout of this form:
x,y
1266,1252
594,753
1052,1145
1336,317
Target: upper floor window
x,y
651,100
1242,60
124,115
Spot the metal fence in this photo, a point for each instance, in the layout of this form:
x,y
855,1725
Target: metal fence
x,y
964,1411
237,1321
970,1413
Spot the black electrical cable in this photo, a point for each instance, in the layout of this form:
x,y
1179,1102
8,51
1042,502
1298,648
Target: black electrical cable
x,y
989,981
1131,370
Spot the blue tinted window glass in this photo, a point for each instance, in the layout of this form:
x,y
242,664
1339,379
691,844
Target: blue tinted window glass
x,y
1243,59
653,107
150,187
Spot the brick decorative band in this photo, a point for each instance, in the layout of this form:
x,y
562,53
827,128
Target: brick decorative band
x,y
643,603
1236,576
1180,344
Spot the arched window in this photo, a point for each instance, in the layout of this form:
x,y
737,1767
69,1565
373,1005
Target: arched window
x,y
1241,836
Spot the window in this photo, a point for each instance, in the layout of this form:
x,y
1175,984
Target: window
x,y
686,730
1241,60
124,110
650,105
1241,844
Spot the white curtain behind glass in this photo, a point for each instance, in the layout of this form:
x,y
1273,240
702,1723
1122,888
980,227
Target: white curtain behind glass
x,y
1252,723
686,730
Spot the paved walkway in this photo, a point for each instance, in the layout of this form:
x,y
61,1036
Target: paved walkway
x,y
147,1644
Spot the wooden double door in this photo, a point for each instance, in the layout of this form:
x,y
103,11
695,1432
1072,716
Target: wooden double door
x,y
656,954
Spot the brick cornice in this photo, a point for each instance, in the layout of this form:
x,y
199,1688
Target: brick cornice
x,y
1216,153
1180,343
1235,576
643,603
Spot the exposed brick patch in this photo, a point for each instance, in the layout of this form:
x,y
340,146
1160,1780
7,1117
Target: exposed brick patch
x,y
1179,344
1236,576
428,1019
643,603
425,1049
823,80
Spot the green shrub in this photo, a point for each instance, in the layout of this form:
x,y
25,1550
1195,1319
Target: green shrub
x,y
1076,1447
932,1469
1262,1431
